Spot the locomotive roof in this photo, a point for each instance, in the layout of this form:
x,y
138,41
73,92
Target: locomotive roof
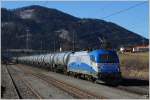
x,y
102,51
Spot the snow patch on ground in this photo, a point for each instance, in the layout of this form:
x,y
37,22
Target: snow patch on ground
x,y
27,14
64,34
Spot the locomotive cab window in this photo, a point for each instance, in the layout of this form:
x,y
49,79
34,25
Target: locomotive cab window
x,y
108,58
105,58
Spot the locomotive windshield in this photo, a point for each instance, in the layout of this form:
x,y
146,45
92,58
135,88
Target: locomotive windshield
x,y
107,58
104,57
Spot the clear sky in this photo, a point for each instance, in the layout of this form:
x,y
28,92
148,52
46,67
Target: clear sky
x,y
135,19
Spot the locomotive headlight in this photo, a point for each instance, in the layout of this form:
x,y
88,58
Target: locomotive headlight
x,y
96,64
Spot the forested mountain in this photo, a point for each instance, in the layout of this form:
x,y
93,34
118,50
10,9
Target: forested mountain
x,y
48,27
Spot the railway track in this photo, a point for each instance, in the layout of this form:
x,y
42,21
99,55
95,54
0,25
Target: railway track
x,y
68,88
32,90
72,90
140,90
16,88
34,93
134,90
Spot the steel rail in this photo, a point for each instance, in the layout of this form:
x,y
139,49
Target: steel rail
x,y
29,86
16,88
72,90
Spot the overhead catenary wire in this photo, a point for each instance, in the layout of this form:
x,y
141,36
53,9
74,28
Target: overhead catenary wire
x,y
113,14
123,10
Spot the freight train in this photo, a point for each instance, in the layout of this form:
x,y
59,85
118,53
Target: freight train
x,y
95,65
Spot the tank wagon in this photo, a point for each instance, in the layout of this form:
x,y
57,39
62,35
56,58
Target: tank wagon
x,y
95,65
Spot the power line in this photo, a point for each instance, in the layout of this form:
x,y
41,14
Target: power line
x,y
118,12
121,11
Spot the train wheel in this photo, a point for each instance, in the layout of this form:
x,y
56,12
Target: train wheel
x,y
72,74
84,77
49,68
55,70
88,78
52,68
79,76
65,71
93,79
68,73
75,74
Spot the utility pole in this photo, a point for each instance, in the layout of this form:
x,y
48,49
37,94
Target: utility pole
x,y
27,39
101,41
143,41
58,42
73,41
41,45
54,43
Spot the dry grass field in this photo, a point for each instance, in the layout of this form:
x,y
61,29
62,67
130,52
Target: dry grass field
x,y
135,65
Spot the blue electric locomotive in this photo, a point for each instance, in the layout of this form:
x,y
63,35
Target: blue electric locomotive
x,y
100,64
107,63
